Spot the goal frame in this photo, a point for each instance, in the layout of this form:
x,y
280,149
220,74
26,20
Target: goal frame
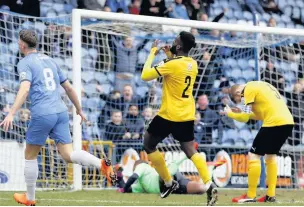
x,y
78,14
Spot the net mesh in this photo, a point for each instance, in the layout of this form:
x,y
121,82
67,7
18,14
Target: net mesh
x,y
119,105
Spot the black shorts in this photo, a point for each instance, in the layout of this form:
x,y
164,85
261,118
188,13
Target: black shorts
x,y
162,128
182,181
269,140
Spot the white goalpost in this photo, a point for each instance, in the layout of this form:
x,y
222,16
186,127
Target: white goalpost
x,y
102,52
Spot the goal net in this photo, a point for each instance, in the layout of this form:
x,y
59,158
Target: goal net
x,y
103,55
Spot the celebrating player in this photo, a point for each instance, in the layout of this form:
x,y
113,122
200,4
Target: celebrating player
x,y
41,78
262,102
177,112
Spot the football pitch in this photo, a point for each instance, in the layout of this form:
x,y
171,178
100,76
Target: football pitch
x,y
112,198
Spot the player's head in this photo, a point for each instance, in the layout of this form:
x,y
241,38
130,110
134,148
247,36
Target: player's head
x,y
116,117
236,93
137,162
133,110
28,40
183,43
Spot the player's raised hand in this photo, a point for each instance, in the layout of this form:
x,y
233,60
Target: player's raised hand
x,y
7,123
83,117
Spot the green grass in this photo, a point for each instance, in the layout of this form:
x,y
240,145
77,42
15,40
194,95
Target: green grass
x,y
110,197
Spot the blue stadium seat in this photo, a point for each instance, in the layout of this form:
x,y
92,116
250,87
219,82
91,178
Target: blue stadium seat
x,y
300,4
111,76
51,13
242,22
245,134
241,81
60,62
84,102
227,72
69,62
142,56
68,8
298,26
266,16
238,14
263,64
231,62
249,74
236,73
58,7
87,63
243,63
93,103
10,97
248,15
229,14
232,21
93,53
287,10
276,17
290,76
138,80
228,142
231,134
263,23
249,143
296,12
294,67
240,142
100,77
13,47
284,66
285,18
251,63
107,88
281,25
141,90
239,125
90,89
87,76
254,133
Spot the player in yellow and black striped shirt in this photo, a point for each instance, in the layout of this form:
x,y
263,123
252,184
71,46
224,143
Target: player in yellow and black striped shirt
x,y
177,111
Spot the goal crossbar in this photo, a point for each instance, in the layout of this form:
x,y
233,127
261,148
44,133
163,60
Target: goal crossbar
x,y
181,22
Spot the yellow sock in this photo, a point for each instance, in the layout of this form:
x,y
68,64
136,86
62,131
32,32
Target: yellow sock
x,y
254,173
272,174
159,164
201,166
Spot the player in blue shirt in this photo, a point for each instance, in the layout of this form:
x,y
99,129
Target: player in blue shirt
x,y
41,78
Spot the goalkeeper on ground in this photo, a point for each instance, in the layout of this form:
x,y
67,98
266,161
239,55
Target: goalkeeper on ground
x,y
261,101
145,179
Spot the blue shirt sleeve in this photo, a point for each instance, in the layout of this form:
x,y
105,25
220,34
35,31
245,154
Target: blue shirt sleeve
x,y
25,72
62,76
